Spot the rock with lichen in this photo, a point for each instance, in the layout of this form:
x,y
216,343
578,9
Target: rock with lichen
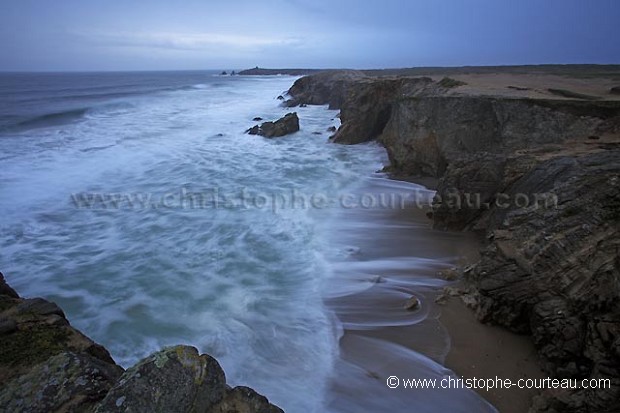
x,y
66,382
179,379
176,379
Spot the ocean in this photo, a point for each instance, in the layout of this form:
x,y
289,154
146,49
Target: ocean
x,y
137,203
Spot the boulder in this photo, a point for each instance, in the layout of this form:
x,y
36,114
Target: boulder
x,y
412,303
176,379
179,379
284,126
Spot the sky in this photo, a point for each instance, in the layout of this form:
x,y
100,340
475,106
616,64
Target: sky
x,y
87,35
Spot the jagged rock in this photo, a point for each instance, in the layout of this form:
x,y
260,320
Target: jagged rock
x,y
35,330
244,400
66,382
331,129
5,289
283,126
257,119
176,379
280,97
328,87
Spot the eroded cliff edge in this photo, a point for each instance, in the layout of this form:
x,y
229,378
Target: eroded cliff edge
x,y
539,177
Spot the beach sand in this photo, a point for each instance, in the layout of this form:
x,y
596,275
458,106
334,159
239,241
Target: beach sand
x,y
398,254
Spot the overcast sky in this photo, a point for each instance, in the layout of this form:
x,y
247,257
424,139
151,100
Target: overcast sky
x,y
57,35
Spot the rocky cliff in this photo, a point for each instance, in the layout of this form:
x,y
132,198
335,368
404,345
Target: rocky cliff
x,y
48,366
539,177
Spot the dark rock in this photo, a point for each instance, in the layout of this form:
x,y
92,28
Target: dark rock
x,y
254,130
283,126
412,304
34,330
257,119
331,129
7,326
39,306
290,103
66,382
5,289
615,90
244,400
280,97
316,133
303,105
176,379
224,73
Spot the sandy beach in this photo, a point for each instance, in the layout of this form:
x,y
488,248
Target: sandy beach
x,y
397,254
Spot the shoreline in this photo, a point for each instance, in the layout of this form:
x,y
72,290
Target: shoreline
x,y
449,333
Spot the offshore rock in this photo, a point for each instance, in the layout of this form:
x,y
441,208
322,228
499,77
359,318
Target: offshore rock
x,y
283,126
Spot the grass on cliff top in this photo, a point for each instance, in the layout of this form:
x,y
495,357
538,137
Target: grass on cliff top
x,y
570,94
450,83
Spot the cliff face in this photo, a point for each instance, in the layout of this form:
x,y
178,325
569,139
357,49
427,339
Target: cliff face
x,y
540,179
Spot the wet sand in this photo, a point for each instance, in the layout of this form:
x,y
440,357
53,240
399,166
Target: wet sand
x,y
382,256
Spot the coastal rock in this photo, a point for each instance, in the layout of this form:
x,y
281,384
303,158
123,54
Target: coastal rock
x,y
66,382
244,400
327,87
45,364
179,379
283,126
35,330
257,119
6,289
176,379
525,174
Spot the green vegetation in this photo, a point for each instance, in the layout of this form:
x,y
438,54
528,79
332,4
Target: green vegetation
x,y
450,83
573,95
31,346
572,71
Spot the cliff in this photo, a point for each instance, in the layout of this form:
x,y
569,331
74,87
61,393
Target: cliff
x,y
48,366
538,176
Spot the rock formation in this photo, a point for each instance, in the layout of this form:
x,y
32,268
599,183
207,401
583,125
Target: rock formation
x,y
539,178
48,366
283,126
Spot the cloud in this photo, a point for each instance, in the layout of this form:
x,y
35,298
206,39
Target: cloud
x,y
189,41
